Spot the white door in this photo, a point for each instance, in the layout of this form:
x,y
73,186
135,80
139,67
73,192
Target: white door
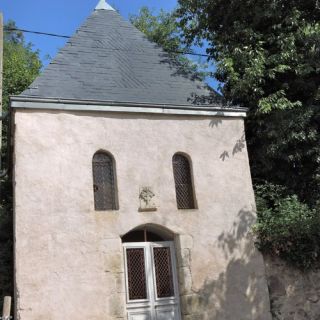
x,y
151,281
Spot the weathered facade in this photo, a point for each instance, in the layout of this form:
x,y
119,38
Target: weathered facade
x,y
143,255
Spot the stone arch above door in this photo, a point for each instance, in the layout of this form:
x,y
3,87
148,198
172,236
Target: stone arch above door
x,y
148,233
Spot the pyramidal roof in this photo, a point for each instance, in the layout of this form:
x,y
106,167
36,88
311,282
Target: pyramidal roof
x,y
108,59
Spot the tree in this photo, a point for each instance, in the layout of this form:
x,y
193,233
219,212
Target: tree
x,y
21,64
20,67
267,54
164,30
268,58
284,149
267,51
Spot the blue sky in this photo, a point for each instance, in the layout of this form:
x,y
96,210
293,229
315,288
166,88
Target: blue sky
x,y
65,16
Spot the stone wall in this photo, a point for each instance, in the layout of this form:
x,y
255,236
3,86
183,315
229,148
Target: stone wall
x,y
294,295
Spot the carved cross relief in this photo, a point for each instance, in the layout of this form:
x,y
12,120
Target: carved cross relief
x,y
147,199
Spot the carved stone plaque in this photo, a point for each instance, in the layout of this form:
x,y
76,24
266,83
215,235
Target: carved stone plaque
x,y
147,199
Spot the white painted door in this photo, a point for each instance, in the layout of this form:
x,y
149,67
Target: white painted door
x,y
151,281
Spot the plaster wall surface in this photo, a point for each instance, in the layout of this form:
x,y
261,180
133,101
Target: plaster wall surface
x,y
68,257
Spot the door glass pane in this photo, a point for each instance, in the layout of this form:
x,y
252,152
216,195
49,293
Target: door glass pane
x,y
136,274
163,270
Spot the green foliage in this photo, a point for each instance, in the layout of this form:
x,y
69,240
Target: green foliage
x,y
286,227
284,149
163,29
20,67
267,51
268,59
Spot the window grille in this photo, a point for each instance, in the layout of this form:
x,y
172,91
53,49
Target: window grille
x,y
104,182
163,270
136,274
183,182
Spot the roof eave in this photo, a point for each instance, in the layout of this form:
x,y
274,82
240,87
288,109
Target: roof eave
x,y
27,102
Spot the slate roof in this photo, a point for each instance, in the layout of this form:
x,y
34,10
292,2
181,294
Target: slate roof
x,y
108,59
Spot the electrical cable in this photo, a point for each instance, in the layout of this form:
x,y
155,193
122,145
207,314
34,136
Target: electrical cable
x,y
68,37
36,32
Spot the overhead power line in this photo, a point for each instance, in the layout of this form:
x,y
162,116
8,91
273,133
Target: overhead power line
x,y
37,32
68,37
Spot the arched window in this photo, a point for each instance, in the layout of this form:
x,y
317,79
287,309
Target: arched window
x,y
183,182
104,182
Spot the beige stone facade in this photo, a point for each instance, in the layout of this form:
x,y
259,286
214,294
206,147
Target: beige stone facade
x,y
68,257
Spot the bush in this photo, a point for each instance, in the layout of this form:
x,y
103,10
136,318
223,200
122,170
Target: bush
x,y
286,227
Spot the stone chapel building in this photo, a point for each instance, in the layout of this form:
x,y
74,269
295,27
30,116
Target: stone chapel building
x,y
132,188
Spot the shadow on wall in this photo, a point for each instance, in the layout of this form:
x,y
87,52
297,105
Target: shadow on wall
x,y
238,147
239,293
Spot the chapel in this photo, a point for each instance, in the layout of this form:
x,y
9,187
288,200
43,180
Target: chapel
x,y
133,197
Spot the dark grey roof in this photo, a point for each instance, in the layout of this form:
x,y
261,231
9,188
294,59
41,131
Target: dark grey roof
x,y
108,59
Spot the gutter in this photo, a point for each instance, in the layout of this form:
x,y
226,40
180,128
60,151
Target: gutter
x,y
25,102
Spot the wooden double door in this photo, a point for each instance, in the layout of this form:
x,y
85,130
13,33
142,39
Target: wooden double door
x,y
151,281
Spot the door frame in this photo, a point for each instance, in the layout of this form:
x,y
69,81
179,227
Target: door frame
x,y
152,299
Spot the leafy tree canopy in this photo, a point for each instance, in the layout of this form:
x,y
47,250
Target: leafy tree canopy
x,y
267,51
267,54
268,57
21,64
164,30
